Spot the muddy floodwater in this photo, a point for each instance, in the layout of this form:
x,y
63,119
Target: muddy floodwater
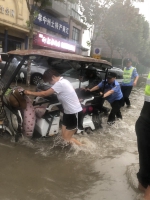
x,y
104,169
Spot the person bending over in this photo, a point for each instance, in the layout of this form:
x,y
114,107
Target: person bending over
x,y
72,116
113,94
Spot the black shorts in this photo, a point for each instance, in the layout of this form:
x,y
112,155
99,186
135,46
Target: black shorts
x,y
73,121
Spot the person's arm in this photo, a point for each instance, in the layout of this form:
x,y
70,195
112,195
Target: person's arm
x,y
40,94
135,76
108,93
94,88
135,80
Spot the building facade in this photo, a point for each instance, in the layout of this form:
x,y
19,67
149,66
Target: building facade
x,y
13,27
59,25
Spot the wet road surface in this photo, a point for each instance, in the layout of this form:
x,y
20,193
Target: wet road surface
x,y
105,168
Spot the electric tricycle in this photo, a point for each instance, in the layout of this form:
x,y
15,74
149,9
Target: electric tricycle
x,y
19,115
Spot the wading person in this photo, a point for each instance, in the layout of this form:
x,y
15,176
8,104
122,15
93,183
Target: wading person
x,y
142,128
72,116
130,78
113,94
93,79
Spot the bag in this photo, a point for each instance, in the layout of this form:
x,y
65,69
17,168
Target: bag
x,y
16,99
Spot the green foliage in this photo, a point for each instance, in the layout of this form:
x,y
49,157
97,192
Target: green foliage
x,y
28,24
142,69
125,30
88,43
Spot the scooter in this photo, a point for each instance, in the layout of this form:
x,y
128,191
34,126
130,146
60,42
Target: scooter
x,y
92,115
48,124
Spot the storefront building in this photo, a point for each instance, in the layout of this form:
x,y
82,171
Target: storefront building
x,y
13,26
61,24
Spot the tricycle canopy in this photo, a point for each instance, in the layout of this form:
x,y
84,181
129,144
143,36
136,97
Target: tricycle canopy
x,y
18,57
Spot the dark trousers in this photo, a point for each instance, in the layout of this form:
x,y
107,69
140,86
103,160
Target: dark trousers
x,y
115,111
100,107
142,128
126,90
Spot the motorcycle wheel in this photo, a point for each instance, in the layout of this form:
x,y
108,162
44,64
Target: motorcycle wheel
x,y
97,120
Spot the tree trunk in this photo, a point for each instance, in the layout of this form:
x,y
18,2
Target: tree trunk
x,y
91,51
28,73
30,47
111,54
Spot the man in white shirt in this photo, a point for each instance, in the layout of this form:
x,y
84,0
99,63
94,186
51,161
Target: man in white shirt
x,y
72,117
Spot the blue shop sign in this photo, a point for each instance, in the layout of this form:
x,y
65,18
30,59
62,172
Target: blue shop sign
x,y
47,21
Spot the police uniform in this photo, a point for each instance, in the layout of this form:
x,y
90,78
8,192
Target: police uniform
x,y
142,128
129,75
115,99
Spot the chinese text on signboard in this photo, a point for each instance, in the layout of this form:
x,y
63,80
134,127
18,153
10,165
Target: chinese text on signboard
x,y
47,21
7,11
51,41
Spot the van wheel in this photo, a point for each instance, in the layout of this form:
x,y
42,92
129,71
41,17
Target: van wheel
x,y
36,78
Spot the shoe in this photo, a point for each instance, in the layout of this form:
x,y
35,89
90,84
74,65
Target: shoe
x,y
110,123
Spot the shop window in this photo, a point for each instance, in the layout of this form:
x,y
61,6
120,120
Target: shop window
x,y
75,34
18,45
1,46
13,45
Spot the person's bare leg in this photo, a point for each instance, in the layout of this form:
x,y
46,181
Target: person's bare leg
x,y
147,193
73,140
67,135
63,129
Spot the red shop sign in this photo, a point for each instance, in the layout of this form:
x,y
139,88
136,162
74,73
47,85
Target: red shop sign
x,y
52,42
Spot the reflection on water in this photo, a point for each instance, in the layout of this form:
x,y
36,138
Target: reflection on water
x,y
51,169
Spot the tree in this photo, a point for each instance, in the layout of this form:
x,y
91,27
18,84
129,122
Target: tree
x,y
94,12
34,7
125,30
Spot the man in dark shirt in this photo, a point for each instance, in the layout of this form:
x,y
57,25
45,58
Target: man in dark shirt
x,y
142,128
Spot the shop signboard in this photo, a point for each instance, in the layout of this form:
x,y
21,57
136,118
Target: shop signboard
x,y
53,42
7,11
53,24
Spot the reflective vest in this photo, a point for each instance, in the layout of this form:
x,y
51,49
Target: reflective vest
x,y
147,89
127,74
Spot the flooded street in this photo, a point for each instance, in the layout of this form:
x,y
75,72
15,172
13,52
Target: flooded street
x,y
104,169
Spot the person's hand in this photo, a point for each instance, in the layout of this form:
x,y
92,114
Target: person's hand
x,y
81,78
101,94
88,90
27,92
134,83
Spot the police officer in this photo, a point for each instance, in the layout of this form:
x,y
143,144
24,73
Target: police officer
x,y
94,79
142,128
130,78
113,94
